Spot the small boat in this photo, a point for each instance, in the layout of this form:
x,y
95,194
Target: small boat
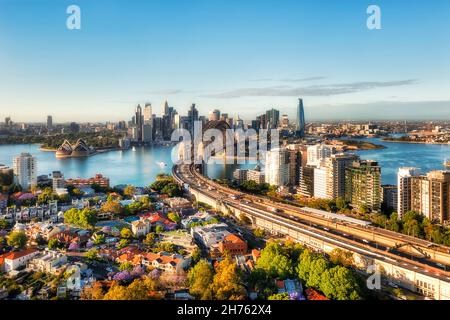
x,y
161,164
447,163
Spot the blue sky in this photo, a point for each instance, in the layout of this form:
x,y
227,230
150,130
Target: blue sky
x,y
240,56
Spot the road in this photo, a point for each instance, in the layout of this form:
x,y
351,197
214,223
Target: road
x,y
313,226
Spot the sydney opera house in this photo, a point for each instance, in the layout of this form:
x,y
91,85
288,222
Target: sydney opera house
x,y
79,149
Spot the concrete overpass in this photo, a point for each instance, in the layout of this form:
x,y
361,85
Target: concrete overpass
x,y
319,234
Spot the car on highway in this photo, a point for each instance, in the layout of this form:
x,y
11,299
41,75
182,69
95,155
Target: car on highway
x,y
393,285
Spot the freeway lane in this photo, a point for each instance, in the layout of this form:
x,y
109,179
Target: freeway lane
x,y
185,175
437,253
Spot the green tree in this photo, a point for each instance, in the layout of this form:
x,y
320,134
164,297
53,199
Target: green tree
x,y
150,239
85,218
342,257
262,283
259,233
304,266
318,267
3,224
126,266
195,256
54,244
173,216
123,243
341,204
167,247
98,239
159,229
17,239
129,191
113,207
393,222
133,208
279,296
92,255
339,283
274,261
200,279
172,190
126,233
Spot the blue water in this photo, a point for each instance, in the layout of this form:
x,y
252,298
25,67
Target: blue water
x,y
426,157
140,167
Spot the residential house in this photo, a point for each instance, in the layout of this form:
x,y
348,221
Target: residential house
x,y
17,259
130,254
168,262
141,227
177,203
49,261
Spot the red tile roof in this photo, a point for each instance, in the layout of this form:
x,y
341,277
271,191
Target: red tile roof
x,y
162,258
19,254
233,239
312,294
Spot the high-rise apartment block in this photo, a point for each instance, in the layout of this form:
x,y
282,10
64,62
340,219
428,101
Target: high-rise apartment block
x,y
277,167
25,171
363,185
430,195
404,194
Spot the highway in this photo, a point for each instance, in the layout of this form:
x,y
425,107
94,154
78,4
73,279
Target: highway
x,y
437,253
313,226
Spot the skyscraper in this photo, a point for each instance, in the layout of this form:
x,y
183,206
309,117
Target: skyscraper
x,y
165,110
148,113
139,121
300,122
404,177
277,167
25,171
49,122
193,117
214,115
272,118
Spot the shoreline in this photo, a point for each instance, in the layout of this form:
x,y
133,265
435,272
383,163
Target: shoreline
x,y
418,142
98,151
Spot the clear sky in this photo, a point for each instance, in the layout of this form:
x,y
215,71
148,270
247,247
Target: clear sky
x,y
240,56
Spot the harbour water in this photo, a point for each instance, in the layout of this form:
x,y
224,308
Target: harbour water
x,y
141,166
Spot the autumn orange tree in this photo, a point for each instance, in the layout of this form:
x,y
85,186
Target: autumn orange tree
x,y
228,281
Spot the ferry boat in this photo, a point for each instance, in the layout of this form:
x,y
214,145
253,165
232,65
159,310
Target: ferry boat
x,y
447,163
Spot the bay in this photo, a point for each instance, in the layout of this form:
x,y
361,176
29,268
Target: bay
x,y
140,167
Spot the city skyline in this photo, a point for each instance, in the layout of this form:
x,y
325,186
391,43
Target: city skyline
x,y
224,55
